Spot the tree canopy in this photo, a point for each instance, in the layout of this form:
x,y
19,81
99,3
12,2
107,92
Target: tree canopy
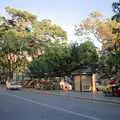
x,y
95,25
23,36
60,59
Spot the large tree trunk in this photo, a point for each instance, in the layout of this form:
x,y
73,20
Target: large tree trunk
x,y
10,76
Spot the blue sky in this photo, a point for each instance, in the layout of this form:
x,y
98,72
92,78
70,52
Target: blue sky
x,y
66,13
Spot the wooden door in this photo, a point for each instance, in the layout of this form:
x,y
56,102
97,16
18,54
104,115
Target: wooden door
x,y
77,83
86,82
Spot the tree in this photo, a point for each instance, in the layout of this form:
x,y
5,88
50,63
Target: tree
x,y
95,26
13,33
49,31
116,9
116,31
62,59
22,36
85,53
54,61
88,53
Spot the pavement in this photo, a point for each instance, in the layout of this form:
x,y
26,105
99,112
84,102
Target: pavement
x,y
36,105
97,96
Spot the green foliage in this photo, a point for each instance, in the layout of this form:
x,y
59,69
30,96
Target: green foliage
x,y
88,53
116,31
19,14
3,63
21,33
116,9
49,31
106,31
62,59
95,26
54,60
84,53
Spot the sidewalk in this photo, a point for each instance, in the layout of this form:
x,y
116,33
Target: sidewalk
x,y
78,95
85,96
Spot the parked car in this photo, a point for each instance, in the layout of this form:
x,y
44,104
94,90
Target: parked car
x,y
116,90
113,88
13,85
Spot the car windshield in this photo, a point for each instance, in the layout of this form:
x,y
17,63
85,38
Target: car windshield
x,y
13,83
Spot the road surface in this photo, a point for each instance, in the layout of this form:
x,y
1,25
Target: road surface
x,y
32,105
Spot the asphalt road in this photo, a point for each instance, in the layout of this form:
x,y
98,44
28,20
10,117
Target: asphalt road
x,y
31,105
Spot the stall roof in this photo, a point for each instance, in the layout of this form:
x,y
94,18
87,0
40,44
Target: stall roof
x,y
83,70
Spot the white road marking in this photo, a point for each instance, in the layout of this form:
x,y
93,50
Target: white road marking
x,y
51,106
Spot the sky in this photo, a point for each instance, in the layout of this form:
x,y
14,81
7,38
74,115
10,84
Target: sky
x,y
65,13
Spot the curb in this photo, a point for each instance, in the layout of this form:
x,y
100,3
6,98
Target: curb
x,y
82,98
77,97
